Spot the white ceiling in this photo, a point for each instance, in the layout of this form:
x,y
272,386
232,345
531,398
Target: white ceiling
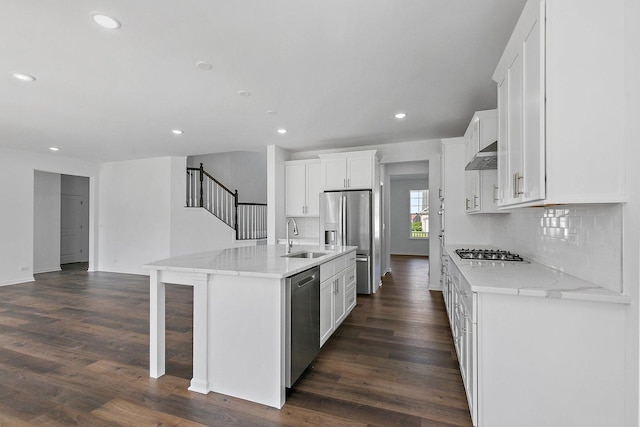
x,y
336,72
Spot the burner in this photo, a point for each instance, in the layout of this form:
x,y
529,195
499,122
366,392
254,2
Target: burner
x,y
487,255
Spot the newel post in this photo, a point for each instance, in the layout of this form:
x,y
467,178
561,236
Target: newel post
x,y
235,203
201,190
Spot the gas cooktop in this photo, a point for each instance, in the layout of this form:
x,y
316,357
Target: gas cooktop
x,y
488,255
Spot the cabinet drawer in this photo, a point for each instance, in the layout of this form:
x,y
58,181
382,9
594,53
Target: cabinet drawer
x,y
340,263
350,296
350,276
466,297
350,258
327,270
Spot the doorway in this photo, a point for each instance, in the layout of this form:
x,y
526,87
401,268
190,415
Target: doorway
x,y
61,221
74,219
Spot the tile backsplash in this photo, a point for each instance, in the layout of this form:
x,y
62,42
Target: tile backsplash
x,y
582,240
308,227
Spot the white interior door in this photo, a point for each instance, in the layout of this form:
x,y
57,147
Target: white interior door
x,y
71,229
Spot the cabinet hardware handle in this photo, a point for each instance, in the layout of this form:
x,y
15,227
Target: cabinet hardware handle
x,y
466,204
344,182
495,193
475,201
516,184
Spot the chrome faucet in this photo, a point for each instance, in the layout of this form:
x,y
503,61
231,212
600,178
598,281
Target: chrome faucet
x,y
295,231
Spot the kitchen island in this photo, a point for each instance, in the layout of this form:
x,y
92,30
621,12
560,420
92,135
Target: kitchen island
x,y
239,316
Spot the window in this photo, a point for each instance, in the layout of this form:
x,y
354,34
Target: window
x,y
419,214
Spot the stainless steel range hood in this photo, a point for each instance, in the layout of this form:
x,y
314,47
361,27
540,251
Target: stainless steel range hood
x,y
487,158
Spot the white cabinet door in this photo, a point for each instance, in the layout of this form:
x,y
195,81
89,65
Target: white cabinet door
x,y
360,173
521,156
339,306
302,188
335,173
314,188
295,189
348,171
472,199
515,128
505,194
327,289
533,164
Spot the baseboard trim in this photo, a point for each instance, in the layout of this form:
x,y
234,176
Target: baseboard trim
x,y
17,282
47,270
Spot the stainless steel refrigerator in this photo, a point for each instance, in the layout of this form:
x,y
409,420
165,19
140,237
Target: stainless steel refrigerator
x,y
345,219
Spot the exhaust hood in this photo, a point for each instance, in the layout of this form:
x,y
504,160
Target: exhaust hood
x,y
487,158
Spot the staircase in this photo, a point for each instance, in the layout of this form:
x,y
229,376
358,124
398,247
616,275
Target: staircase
x,y
249,220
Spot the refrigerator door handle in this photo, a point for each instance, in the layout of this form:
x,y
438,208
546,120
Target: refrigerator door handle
x,y
343,217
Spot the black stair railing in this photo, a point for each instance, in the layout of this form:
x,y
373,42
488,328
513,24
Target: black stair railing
x,y
249,220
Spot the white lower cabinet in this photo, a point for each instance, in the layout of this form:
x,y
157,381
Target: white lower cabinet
x,y
528,361
326,310
337,293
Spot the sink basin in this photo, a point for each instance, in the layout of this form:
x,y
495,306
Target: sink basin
x,y
306,255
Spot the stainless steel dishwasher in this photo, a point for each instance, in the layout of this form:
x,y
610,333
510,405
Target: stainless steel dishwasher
x,y
303,322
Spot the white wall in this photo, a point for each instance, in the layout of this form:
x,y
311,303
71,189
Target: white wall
x,y
276,220
135,215
46,222
400,221
631,210
143,218
245,171
79,186
17,207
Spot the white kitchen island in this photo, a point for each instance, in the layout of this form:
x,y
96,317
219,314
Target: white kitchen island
x,y
239,317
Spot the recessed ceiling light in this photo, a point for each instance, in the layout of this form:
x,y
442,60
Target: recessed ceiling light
x,y
272,113
24,77
177,131
204,65
54,149
244,93
105,21
282,131
401,115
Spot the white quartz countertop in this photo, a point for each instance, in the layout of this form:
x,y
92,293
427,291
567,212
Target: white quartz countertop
x,y
252,261
528,279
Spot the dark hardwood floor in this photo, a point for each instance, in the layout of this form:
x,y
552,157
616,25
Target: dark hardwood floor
x,y
74,350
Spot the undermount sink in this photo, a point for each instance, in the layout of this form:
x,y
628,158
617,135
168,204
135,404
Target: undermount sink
x,y
306,255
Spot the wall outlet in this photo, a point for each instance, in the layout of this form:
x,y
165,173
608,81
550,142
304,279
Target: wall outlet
x,y
24,268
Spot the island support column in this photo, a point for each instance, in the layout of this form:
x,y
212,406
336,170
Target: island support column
x,y
157,348
156,325
200,380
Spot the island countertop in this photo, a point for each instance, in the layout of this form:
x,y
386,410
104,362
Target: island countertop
x,y
266,261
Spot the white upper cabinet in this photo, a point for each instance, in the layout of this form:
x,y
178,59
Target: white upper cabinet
x,y
560,90
481,185
348,171
302,188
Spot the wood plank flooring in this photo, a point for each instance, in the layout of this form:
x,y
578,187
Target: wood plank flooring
x,y
74,350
